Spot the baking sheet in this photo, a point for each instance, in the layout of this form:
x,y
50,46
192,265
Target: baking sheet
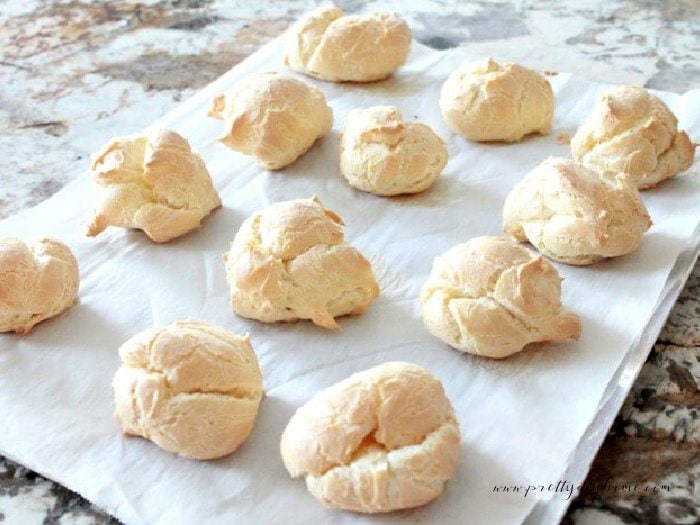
x,y
522,420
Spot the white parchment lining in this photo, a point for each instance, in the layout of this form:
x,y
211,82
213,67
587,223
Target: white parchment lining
x,y
523,420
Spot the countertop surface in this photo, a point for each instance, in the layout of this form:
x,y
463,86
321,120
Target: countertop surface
x,y
73,74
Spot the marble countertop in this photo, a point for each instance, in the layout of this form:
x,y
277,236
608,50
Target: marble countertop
x,y
74,74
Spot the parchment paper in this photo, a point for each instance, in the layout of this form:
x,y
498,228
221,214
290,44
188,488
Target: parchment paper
x,y
521,419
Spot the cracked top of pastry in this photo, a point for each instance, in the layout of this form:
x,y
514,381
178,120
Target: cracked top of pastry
x,y
153,182
329,45
574,215
190,387
381,440
491,297
633,132
488,101
275,118
38,280
290,261
382,154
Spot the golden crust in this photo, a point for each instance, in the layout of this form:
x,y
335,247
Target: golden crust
x,y
381,154
491,297
153,182
381,440
633,132
190,387
275,118
358,48
289,262
38,279
487,101
574,215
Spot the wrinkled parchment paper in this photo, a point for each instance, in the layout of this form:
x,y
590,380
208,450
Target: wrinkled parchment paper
x,y
522,420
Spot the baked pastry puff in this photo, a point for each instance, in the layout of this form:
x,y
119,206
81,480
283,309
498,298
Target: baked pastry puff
x,y
192,388
381,154
574,215
633,132
328,45
153,182
488,101
381,440
290,261
38,280
491,297
275,118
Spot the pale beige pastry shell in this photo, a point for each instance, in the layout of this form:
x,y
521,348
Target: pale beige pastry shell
x,y
381,440
491,297
38,279
633,132
190,387
290,261
574,215
275,118
382,154
488,101
328,45
153,182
